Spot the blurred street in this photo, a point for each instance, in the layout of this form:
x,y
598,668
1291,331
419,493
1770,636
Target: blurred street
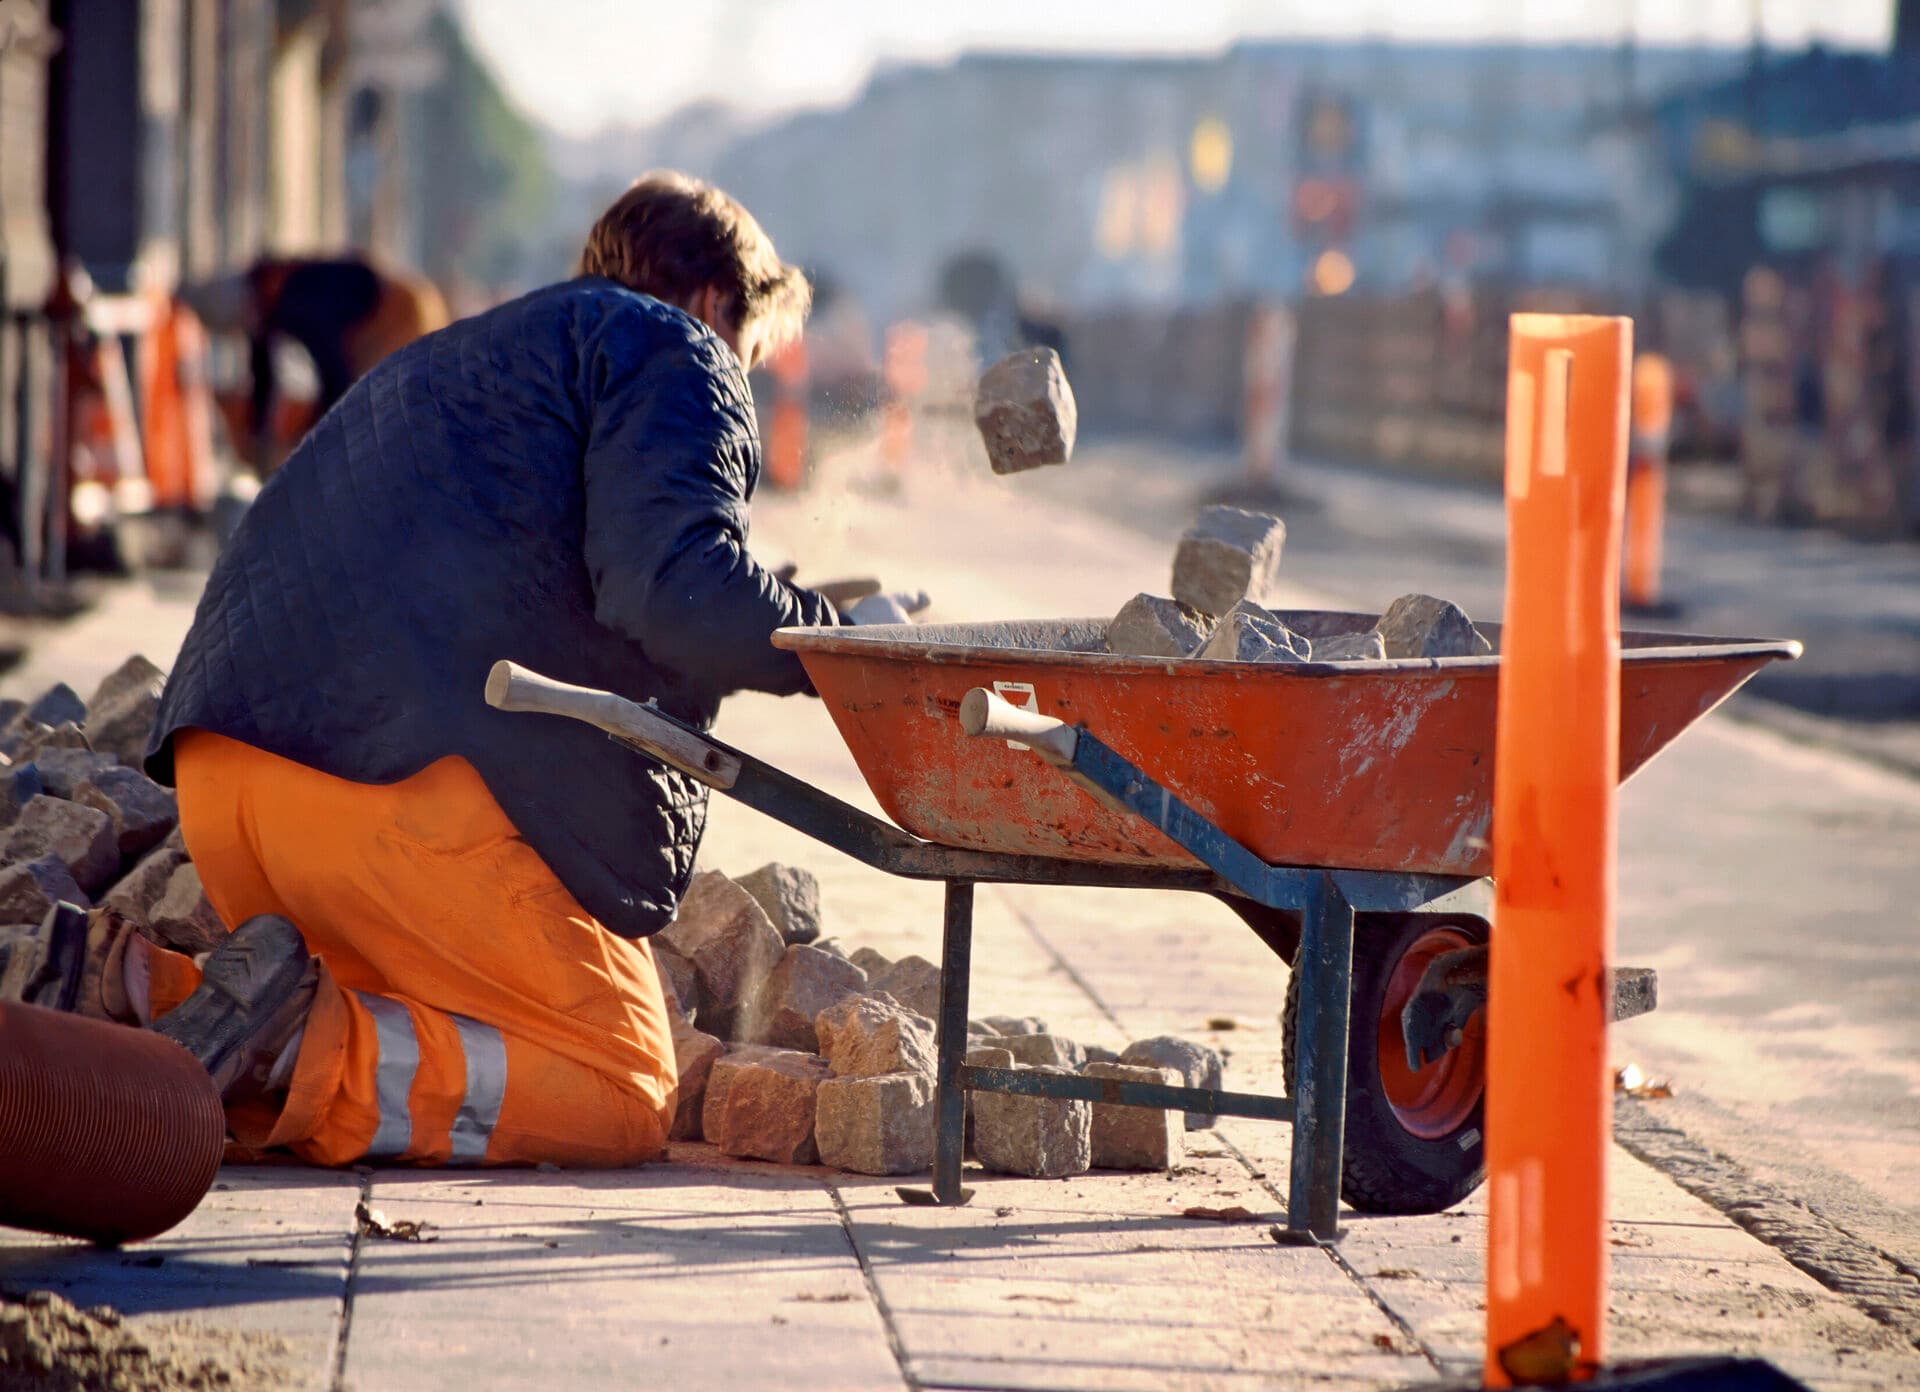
x,y
1759,876
447,329
1767,877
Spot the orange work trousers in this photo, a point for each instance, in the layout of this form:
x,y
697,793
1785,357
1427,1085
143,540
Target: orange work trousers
x,y
469,1010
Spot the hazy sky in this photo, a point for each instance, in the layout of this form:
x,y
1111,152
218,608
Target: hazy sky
x,y
581,64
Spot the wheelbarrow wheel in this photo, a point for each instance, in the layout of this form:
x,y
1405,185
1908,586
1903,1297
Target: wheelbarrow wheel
x,y
1414,1142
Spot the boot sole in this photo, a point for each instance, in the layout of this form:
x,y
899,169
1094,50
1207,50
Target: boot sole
x,y
249,993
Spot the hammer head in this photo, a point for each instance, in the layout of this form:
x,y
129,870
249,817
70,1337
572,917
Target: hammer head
x,y
1024,408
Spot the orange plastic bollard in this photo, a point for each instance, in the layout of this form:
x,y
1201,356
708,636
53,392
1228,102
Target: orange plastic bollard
x,y
1647,479
1555,772
905,371
1268,385
787,429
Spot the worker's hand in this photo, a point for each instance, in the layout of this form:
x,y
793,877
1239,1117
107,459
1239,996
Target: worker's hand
x,y
896,608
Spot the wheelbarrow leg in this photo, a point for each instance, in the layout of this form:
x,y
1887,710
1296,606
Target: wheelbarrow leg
x,y
1320,1065
950,1099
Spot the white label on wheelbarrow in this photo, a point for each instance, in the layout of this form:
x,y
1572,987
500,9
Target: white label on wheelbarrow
x,y
1017,694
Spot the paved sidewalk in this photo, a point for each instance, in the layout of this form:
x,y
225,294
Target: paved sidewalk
x,y
707,1273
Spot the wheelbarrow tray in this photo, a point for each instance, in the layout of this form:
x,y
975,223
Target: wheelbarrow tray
x,y
1364,765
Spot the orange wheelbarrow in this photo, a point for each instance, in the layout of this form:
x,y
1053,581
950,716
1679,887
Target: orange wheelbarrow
x,y
1342,809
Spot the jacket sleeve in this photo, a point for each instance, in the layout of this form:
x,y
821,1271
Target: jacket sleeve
x,y
670,460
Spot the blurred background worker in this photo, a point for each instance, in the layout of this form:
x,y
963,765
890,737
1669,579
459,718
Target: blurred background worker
x,y
344,312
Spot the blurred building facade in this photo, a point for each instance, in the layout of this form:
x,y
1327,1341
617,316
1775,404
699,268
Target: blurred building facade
x,y
1185,180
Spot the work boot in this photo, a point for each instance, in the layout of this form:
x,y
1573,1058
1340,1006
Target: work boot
x,y
64,964
251,1004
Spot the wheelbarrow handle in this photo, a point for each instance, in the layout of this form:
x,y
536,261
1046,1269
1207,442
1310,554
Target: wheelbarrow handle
x,y
511,687
988,716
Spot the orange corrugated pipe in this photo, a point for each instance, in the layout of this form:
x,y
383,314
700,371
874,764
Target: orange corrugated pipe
x,y
1556,769
107,1132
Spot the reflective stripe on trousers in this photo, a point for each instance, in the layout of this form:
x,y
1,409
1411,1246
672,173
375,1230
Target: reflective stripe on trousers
x,y
399,1054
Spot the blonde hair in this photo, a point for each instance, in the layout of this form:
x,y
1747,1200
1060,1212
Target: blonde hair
x,y
671,236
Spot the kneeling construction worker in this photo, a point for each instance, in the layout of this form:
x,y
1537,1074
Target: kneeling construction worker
x,y
442,910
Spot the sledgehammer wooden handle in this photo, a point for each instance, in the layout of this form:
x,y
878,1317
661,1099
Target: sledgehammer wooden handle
x,y
988,716
511,687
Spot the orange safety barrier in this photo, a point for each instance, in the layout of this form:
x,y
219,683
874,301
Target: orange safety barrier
x,y
787,430
1647,479
1555,771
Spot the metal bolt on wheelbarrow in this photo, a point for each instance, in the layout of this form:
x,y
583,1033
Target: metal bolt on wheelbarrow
x,y
1341,809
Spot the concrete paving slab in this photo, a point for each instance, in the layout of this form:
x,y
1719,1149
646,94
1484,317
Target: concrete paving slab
x,y
266,1254
1054,1284
695,1274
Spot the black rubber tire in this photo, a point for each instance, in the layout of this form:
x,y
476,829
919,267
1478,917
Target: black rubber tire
x,y
1385,1168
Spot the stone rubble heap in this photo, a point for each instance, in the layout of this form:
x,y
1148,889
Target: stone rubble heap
x,y
795,1051
82,822
1225,569
789,1047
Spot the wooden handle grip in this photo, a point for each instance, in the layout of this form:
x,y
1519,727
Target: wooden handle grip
x,y
987,716
511,687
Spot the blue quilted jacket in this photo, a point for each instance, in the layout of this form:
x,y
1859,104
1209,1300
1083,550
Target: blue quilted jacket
x,y
562,481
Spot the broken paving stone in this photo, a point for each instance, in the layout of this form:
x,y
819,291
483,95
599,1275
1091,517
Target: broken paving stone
x,y
374,1223
182,918
59,704
82,837
1350,647
791,897
1043,1050
733,946
1099,1054
982,1056
1025,410
141,887
694,1055
142,812
1149,626
874,964
877,1125
1250,633
1418,625
1136,1138
914,982
19,786
1040,1137
121,714
28,891
864,1036
806,982
1227,555
1197,1065
42,739
64,769
766,1104
1232,1213
1015,1024
676,979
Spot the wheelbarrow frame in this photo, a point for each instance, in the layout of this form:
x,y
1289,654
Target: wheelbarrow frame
x,y
1325,900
